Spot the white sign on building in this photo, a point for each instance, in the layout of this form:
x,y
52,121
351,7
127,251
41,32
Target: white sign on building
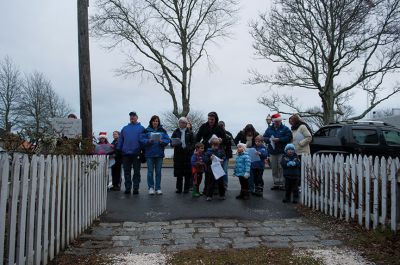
x,y
71,128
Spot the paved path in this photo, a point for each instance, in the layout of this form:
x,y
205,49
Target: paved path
x,y
172,206
170,236
173,222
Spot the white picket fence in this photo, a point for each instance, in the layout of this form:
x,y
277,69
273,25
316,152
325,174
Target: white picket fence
x,y
357,188
46,202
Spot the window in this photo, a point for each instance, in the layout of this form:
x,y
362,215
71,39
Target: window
x,y
391,137
365,136
328,132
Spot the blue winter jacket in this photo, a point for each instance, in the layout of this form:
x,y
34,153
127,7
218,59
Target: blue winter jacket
x,y
263,155
154,149
242,165
283,133
128,141
291,171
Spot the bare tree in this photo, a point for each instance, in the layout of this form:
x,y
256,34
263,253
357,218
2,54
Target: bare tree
x,y
333,47
195,117
10,92
165,38
38,105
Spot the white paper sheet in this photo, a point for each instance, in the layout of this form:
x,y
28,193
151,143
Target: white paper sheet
x,y
253,154
217,168
271,140
156,137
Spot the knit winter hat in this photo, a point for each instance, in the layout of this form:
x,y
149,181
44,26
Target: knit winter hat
x,y
289,146
276,117
244,146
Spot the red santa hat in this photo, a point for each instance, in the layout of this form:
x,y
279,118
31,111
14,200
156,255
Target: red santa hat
x,y
276,117
102,135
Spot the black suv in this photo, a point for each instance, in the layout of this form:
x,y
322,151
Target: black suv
x,y
358,137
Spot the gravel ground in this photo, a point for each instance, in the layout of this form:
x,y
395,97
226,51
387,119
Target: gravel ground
x,y
139,259
336,256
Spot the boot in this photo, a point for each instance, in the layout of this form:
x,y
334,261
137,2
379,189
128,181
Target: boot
x,y
240,196
195,193
246,195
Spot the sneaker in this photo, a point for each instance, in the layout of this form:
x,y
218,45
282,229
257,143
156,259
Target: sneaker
x,y
151,191
127,191
158,192
195,194
178,191
285,201
135,191
221,198
275,188
208,199
239,197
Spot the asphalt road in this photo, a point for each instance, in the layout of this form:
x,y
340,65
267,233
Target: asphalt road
x,y
172,206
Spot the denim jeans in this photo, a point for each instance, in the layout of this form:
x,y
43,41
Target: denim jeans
x,y
154,164
128,161
225,167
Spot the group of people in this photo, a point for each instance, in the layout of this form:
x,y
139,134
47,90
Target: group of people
x,y
206,153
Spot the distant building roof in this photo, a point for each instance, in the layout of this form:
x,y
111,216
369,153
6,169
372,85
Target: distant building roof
x,y
393,120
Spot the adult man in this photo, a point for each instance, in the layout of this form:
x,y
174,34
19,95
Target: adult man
x,y
128,143
228,151
277,136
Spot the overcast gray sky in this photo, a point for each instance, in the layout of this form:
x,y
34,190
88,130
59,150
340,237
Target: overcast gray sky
x,y
42,35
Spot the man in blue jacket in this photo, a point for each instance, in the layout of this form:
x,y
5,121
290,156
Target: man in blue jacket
x,y
130,147
277,136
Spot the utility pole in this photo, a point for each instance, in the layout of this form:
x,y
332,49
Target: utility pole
x,y
85,91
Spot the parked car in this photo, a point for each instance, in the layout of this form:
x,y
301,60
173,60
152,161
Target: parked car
x,y
357,137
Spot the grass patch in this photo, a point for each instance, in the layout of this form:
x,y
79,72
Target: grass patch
x,y
260,255
380,246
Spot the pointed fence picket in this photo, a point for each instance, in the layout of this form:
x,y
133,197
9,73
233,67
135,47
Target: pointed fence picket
x,y
45,203
354,188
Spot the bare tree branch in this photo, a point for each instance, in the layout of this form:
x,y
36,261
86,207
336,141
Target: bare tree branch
x,y
168,37
331,47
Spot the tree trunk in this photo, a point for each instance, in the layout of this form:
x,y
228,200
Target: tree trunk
x,y
328,107
84,70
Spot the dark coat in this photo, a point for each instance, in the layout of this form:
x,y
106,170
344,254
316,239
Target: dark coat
x,y
291,171
206,131
283,133
182,156
241,138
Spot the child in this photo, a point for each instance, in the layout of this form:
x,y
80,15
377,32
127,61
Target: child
x,y
242,171
215,151
198,167
291,171
257,167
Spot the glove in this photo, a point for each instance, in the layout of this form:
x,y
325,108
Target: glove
x,y
246,176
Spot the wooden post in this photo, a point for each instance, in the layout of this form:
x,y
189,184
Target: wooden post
x,y
84,70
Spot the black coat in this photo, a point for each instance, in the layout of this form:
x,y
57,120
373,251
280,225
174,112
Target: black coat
x,y
182,156
206,131
241,138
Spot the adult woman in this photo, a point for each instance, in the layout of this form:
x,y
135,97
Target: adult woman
x,y
247,136
182,140
154,139
301,135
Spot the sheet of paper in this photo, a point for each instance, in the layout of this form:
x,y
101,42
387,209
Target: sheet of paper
x,y
272,142
253,154
217,168
156,137
176,141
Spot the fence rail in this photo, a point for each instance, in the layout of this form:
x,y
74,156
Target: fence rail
x,y
358,188
46,202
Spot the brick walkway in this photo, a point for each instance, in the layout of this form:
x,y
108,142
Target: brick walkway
x,y
166,237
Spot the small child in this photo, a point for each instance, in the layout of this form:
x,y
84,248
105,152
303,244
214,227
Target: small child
x,y
215,151
198,167
257,167
291,171
242,171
